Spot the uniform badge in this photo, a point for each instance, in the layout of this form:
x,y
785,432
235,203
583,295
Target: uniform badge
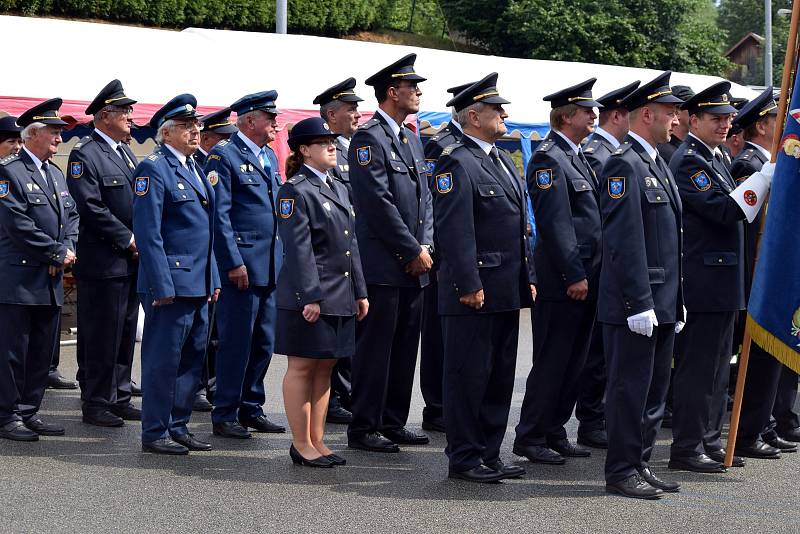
x,y
286,207
430,165
3,188
701,181
243,167
29,186
364,155
142,185
616,186
326,205
750,197
544,178
213,178
76,169
444,183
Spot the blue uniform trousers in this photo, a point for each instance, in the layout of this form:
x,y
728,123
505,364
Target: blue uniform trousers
x,y
246,329
431,353
173,350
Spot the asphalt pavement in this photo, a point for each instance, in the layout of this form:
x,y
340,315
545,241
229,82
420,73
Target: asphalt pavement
x,y
98,480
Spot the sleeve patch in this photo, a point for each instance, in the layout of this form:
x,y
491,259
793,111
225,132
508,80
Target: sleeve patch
x,y
76,169
544,178
142,185
444,183
213,178
616,186
364,155
286,207
701,181
3,188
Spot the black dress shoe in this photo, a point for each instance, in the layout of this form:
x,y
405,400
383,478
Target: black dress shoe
x,y
262,424
404,436
339,416
56,381
16,431
230,429
335,459
634,487
510,471
136,391
698,464
201,403
792,434
128,412
373,442
597,439
647,474
190,442
481,474
539,454
165,446
782,444
299,459
567,449
102,418
758,449
36,424
719,456
433,424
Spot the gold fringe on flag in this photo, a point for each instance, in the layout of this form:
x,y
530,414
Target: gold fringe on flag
x,y
785,354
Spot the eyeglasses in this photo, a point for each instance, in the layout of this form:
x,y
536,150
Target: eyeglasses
x,y
325,143
190,125
124,111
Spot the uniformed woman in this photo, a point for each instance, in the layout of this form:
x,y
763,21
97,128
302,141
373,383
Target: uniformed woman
x,y
321,291
10,136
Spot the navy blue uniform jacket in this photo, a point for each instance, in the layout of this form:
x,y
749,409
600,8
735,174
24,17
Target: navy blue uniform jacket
x,y
392,202
642,239
36,229
749,160
480,218
597,151
321,263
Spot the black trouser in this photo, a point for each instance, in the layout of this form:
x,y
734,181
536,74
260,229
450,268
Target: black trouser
x,y
638,378
431,354
341,380
590,408
700,384
207,379
561,335
480,355
28,339
784,416
760,388
108,310
387,340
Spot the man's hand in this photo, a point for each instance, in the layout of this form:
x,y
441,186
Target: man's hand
x,y
473,300
133,250
238,276
311,312
163,302
53,270
578,290
69,259
421,264
214,297
533,292
363,308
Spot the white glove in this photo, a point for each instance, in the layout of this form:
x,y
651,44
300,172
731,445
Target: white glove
x,y
680,324
643,323
767,171
751,193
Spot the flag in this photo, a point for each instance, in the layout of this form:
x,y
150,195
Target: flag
x,y
773,318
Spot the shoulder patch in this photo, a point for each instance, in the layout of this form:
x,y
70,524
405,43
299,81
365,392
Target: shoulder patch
x,y
430,165
3,188
286,206
8,159
444,183
213,156
142,185
616,186
213,178
364,155
545,146
701,181
76,169
544,178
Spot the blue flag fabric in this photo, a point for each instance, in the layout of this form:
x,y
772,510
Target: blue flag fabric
x,y
773,319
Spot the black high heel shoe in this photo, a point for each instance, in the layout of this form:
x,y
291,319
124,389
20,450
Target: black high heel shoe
x,y
335,459
298,459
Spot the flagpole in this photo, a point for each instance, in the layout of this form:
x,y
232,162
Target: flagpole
x,y
789,65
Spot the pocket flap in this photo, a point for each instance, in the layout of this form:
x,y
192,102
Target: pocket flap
x,y
656,196
181,195
37,199
581,185
245,238
181,262
720,258
116,180
248,178
398,165
490,190
489,259
657,275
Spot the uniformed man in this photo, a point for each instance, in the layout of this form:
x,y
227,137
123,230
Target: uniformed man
x,y
100,172
641,303
431,347
714,283
244,173
679,131
38,231
394,226
216,127
480,211
756,123
734,142
589,409
567,254
338,107
173,224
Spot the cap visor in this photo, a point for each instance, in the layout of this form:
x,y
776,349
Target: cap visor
x,y
668,99
496,99
588,103
229,129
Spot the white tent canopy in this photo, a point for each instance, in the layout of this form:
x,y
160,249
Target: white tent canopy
x,y
73,60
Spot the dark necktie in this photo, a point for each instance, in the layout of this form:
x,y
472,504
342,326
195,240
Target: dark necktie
x,y
48,180
406,148
588,167
193,172
124,156
506,173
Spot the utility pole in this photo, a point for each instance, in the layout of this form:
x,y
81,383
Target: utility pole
x,y
767,43
280,16
411,18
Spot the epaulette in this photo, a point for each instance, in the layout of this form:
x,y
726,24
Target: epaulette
x,y
369,124
625,145
449,148
591,145
296,179
747,154
223,142
88,139
8,159
155,155
545,146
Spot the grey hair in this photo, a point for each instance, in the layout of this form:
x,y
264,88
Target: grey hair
x,y
168,125
27,132
453,114
241,119
107,108
463,116
333,105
